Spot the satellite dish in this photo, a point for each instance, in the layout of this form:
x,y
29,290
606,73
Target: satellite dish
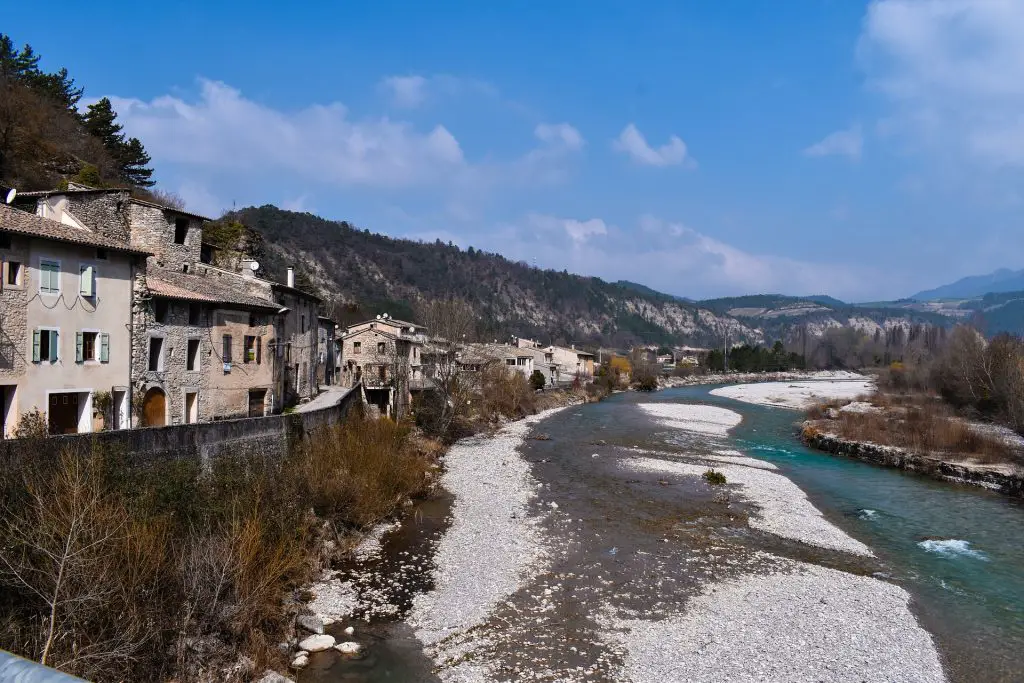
x,y
9,197
254,266
378,316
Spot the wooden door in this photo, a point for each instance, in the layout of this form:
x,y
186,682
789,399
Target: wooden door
x,y
64,413
154,408
257,401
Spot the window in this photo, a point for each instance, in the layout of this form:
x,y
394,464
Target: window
x,y
192,356
381,347
226,349
195,314
250,349
85,346
101,254
5,240
160,307
357,347
180,230
303,324
382,373
87,280
253,320
45,344
13,274
510,361
156,352
49,277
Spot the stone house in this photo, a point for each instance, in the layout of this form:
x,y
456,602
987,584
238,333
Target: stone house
x,y
328,353
65,344
568,362
208,343
384,354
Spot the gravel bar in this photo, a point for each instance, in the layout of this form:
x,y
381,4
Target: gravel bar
x,y
804,623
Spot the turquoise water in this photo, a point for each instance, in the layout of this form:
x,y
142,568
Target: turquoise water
x,y
957,549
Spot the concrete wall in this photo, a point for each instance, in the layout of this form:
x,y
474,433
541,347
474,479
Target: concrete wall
x,y
270,435
26,309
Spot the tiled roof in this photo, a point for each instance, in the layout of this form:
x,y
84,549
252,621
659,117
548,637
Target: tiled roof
x,y
213,289
25,223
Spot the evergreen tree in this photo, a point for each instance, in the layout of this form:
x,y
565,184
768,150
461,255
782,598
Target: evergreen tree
x,y
131,157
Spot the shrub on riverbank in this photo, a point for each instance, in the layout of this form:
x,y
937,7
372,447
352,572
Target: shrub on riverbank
x,y
113,569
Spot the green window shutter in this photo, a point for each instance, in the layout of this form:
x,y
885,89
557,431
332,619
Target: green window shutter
x,y
79,356
54,338
104,348
35,346
86,281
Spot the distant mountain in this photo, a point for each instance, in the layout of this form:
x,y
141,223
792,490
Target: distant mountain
x,y
365,273
1002,280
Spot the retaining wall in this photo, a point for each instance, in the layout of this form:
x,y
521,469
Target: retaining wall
x,y
270,436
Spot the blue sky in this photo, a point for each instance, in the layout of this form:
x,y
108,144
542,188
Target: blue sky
x,y
861,149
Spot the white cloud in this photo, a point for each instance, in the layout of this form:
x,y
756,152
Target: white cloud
x,y
579,232
632,142
953,71
223,129
406,91
848,143
559,134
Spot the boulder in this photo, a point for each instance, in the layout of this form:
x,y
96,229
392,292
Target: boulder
x,y
301,660
349,647
311,623
349,631
273,677
317,643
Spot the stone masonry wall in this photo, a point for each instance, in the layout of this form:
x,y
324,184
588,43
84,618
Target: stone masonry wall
x,y
229,389
106,213
152,229
14,339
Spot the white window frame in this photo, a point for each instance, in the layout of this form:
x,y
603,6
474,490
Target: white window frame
x,y
39,269
95,279
161,364
48,328
96,347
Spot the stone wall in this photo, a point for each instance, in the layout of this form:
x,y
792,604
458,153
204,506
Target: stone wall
x,y
263,436
152,229
1004,479
229,388
104,212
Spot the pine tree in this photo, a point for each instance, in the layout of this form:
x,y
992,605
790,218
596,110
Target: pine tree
x,y
131,157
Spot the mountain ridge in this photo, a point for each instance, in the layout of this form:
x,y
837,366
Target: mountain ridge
x,y
996,282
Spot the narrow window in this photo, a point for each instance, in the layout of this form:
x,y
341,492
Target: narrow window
x,y
101,254
357,347
5,240
252,320
192,357
14,273
195,313
381,347
249,349
49,277
156,348
383,373
180,230
226,350
303,324
160,310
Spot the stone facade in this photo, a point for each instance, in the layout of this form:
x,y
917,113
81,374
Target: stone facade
x,y
297,343
241,372
328,355
386,357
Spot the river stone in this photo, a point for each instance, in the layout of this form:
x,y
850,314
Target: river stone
x,y
349,630
301,660
349,647
311,623
273,677
317,643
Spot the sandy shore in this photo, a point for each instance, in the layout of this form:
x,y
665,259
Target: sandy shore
x,y
797,395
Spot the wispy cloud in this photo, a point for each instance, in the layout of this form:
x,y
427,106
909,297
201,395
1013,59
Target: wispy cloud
x,y
415,90
559,134
406,91
848,143
632,142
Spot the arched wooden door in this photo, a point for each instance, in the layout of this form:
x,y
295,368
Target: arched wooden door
x,y
154,408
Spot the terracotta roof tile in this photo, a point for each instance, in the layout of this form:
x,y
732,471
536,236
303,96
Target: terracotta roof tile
x,y
24,223
213,289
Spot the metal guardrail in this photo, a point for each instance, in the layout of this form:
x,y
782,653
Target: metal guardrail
x,y
15,669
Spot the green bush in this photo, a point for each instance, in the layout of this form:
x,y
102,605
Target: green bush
x,y
537,380
714,477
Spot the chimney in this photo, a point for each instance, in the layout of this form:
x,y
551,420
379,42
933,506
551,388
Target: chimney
x,y
291,277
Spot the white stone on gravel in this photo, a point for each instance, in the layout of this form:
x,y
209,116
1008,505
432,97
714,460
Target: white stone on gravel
x,y
349,630
317,643
309,622
301,660
796,395
493,545
783,508
807,623
691,417
273,677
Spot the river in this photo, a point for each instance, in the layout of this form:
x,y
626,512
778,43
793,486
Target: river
x,y
644,543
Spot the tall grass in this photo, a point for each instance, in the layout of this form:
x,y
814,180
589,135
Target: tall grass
x,y
115,570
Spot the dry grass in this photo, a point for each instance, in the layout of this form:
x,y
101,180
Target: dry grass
x,y
115,571
921,425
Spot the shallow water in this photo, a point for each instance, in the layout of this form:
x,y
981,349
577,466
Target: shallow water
x,y
645,543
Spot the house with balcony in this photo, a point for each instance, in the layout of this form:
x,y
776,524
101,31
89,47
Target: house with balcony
x,y
66,298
